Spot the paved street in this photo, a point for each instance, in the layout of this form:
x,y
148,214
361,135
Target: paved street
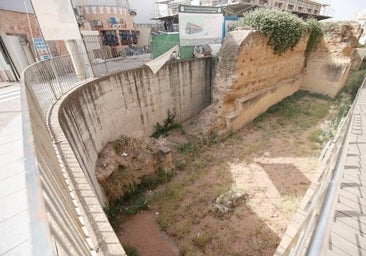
x,y
14,217
10,105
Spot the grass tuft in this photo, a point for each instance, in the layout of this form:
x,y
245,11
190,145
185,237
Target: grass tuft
x,y
168,125
130,250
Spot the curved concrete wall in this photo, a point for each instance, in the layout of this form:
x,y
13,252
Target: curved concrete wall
x,y
130,103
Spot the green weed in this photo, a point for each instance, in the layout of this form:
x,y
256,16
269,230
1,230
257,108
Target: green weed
x,y
353,83
283,29
189,147
202,239
168,125
130,250
119,144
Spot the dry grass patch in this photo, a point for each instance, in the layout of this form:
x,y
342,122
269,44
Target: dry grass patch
x,y
183,206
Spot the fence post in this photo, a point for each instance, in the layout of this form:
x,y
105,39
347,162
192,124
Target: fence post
x,y
72,49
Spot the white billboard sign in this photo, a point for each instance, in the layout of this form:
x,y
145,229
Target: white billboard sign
x,y
200,25
56,19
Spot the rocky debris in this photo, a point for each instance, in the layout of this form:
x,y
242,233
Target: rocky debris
x,y
345,32
343,38
122,164
226,202
165,159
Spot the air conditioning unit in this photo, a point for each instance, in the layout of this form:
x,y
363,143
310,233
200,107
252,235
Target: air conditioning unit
x,y
97,23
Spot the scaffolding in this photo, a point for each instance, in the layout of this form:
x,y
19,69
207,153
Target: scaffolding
x,y
306,8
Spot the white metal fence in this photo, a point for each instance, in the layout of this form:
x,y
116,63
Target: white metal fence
x,y
59,225
56,225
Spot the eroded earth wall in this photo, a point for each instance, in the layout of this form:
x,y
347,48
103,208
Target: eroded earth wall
x,y
329,65
130,103
250,78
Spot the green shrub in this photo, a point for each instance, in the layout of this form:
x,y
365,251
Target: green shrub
x,y
121,143
284,29
138,205
188,148
161,176
353,82
130,250
135,200
315,35
168,125
328,27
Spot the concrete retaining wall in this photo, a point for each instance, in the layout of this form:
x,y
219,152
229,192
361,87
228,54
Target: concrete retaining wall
x,y
130,103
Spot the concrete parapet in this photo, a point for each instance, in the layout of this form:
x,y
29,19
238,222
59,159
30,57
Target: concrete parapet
x,y
130,103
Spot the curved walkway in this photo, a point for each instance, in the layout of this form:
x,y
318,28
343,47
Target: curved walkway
x,y
348,230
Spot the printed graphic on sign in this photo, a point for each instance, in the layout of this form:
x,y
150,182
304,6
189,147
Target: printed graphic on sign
x,y
200,25
42,48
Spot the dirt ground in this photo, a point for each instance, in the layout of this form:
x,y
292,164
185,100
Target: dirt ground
x,y
270,164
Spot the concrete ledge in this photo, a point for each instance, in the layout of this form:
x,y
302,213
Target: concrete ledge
x,y
127,103
99,229
251,106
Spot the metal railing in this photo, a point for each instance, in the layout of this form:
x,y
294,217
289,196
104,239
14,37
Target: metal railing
x,y
56,225
50,79
57,218
313,233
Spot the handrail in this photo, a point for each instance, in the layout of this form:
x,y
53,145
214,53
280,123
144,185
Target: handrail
x,y
56,226
312,234
50,79
321,233
58,222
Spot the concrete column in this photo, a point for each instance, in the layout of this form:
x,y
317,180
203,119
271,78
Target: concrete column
x,y
28,53
77,63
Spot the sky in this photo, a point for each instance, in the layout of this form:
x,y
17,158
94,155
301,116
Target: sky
x,y
343,9
144,9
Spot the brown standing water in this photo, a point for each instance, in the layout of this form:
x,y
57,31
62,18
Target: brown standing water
x,y
142,232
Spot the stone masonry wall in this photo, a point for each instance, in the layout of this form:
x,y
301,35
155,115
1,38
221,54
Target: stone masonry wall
x,y
130,103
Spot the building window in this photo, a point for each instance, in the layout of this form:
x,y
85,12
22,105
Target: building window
x,y
300,9
125,37
134,37
110,38
278,5
290,7
128,37
316,11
